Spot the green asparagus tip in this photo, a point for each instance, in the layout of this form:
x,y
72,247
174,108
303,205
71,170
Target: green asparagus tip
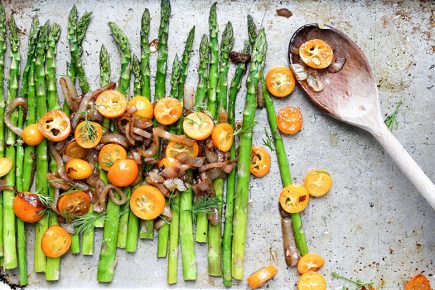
x,y
55,32
252,30
73,14
2,13
35,26
14,39
145,23
227,35
136,63
103,53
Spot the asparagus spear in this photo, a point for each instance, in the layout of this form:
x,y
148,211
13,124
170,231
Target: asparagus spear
x,y
133,220
124,87
70,71
201,89
10,252
200,100
72,40
132,232
104,76
185,62
173,241
41,150
162,58
53,264
252,30
76,33
243,173
284,169
231,180
29,158
82,27
2,107
104,81
162,241
160,90
147,229
145,54
107,261
214,232
214,54
124,48
174,227
224,65
178,79
186,236
176,66
28,89
21,232
137,82
186,223
147,226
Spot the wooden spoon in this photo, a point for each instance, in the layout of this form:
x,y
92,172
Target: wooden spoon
x,y
351,95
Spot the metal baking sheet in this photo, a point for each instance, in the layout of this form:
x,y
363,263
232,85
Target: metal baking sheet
x,y
373,224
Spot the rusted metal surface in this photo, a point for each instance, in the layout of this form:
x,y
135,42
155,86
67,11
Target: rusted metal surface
x,y
373,224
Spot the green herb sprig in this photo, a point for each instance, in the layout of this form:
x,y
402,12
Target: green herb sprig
x,y
391,120
358,283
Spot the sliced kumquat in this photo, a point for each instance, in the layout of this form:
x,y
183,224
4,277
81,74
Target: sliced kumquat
x,y
262,276
318,182
280,81
260,161
294,198
316,53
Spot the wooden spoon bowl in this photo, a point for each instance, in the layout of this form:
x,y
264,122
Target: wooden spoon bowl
x,y
351,96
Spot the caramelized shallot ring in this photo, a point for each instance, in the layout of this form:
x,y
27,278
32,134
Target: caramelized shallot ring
x,y
10,108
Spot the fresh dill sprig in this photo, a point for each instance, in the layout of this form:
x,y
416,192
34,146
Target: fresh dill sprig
x,y
268,141
86,222
391,120
124,210
171,200
242,130
358,283
204,205
107,162
198,122
46,212
71,190
88,129
168,222
45,199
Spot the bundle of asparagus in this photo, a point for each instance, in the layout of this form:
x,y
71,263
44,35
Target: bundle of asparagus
x,y
187,204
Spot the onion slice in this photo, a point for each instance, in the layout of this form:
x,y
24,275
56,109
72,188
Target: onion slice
x,y
299,71
314,81
337,65
115,138
5,186
159,223
172,137
69,92
152,149
294,50
10,108
189,97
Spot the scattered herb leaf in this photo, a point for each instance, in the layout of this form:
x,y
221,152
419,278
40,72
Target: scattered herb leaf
x,y
391,120
268,140
358,283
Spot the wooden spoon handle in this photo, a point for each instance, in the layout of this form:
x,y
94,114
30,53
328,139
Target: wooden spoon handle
x,y
405,162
